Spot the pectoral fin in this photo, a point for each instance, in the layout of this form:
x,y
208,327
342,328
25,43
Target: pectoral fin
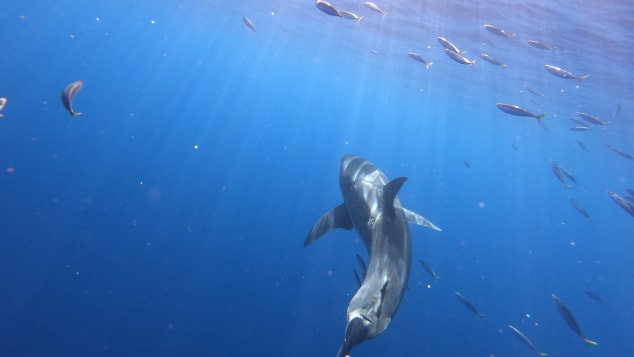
x,y
336,218
413,217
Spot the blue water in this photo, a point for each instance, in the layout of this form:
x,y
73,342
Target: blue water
x,y
168,219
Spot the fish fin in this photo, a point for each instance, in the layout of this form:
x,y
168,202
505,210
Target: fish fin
x,y
75,114
590,342
481,315
336,218
512,35
539,117
360,18
428,64
583,77
413,217
389,194
543,354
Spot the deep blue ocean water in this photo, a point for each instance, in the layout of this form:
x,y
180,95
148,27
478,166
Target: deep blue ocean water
x,y
168,219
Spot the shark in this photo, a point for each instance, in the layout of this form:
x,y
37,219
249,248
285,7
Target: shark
x,y
372,207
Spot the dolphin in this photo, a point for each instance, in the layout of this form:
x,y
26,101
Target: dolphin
x,y
371,206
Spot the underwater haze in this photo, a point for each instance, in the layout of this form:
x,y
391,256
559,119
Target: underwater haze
x,y
168,219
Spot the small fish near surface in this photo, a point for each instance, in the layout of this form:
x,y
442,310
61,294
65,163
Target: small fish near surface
x,y
541,46
327,8
69,93
526,341
249,23
458,57
492,60
448,45
591,119
562,73
374,7
498,31
351,16
533,91
579,128
518,111
570,320
429,270
580,208
416,57
469,305
622,203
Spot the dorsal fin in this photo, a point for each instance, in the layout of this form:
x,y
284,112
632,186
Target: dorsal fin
x,y
389,194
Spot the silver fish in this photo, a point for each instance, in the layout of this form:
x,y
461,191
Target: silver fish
x,y
69,93
568,174
468,305
327,8
622,202
498,31
458,57
562,73
580,208
557,172
621,152
448,45
249,23
415,56
540,45
492,60
570,320
527,342
429,270
591,119
518,111
533,91
374,7
375,52
594,297
351,16
579,128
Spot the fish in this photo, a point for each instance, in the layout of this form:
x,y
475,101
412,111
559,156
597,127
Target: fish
x,y
351,16
533,91
621,152
578,122
375,52
591,119
364,268
557,171
3,102
562,73
498,31
492,60
518,111
371,205
514,147
415,56
580,208
622,202
458,57
541,46
448,45
594,297
570,320
69,93
249,23
568,174
327,8
526,341
356,277
582,145
468,305
579,128
374,7
429,270
466,163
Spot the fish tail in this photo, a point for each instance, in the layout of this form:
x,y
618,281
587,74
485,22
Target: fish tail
x,y
590,342
428,64
539,118
543,354
75,114
512,35
482,315
360,18
583,77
